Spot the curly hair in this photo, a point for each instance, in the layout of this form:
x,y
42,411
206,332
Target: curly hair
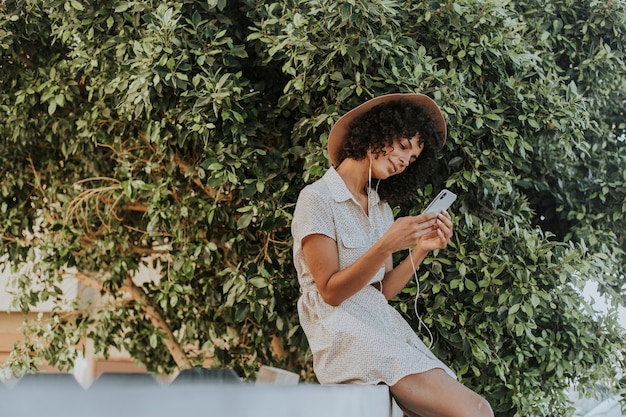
x,y
381,126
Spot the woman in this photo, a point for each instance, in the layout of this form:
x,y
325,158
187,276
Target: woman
x,y
344,238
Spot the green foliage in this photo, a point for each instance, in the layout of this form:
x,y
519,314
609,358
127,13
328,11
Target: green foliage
x,y
178,134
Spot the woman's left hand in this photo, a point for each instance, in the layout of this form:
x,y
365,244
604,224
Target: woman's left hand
x,y
440,235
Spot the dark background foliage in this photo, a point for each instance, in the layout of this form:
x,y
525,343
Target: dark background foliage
x,y
177,135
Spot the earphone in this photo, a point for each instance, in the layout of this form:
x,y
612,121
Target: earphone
x,y
369,211
417,282
369,189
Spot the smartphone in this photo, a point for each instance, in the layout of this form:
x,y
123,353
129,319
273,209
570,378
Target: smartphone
x,y
442,202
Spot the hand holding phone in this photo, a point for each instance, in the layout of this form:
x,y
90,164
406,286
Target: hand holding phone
x,y
442,202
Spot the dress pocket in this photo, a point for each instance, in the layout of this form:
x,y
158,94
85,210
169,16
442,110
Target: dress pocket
x,y
353,242
351,249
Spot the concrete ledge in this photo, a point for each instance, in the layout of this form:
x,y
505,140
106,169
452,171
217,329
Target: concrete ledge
x,y
232,400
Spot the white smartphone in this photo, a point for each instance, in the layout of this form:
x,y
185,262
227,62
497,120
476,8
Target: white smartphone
x,y
442,202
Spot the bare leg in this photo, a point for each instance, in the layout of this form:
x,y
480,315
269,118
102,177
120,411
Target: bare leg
x,y
435,394
407,412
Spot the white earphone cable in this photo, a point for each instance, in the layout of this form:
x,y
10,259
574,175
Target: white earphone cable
x,y
419,318
369,211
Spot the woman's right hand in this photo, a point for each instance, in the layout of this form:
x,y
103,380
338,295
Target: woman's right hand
x,y
406,232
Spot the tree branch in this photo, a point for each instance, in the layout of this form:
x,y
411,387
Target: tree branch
x,y
157,320
209,191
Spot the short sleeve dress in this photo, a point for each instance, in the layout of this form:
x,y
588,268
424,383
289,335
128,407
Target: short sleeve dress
x,y
364,339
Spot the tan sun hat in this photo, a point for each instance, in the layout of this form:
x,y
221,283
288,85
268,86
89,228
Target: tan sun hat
x,y
340,128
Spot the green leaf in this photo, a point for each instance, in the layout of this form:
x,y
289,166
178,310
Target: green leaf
x,y
77,5
244,220
258,282
122,6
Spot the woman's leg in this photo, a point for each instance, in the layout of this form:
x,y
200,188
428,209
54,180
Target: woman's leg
x,y
434,393
408,413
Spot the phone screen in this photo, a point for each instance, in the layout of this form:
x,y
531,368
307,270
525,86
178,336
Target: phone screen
x,y
442,202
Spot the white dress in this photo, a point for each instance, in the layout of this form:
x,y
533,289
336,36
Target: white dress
x,y
363,340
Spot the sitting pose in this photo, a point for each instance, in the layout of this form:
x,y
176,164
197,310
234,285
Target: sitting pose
x,y
344,238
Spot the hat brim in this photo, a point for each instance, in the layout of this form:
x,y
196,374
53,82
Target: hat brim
x,y
340,128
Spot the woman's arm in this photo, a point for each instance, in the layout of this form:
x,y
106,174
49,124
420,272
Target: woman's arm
x,y
334,285
397,278
322,257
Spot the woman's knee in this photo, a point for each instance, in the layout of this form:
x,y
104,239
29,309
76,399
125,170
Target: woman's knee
x,y
476,406
434,393
484,408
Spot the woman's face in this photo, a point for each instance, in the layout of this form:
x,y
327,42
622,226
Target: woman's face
x,y
396,157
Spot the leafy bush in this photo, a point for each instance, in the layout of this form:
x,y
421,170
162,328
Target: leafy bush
x,y
178,134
